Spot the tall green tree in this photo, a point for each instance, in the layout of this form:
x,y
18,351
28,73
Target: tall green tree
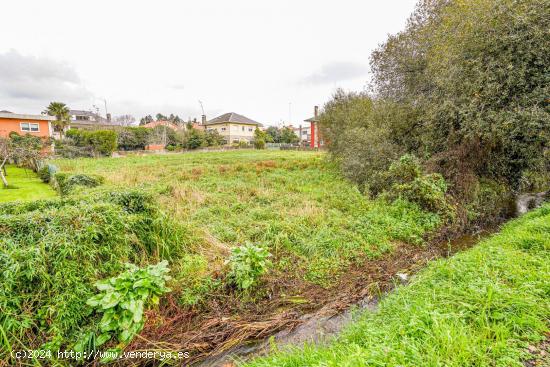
x,y
471,79
145,120
61,113
288,136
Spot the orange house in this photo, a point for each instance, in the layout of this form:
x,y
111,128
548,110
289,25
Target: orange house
x,y
37,125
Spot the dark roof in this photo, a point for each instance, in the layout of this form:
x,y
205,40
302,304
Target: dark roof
x,y
99,118
5,111
312,119
232,117
82,113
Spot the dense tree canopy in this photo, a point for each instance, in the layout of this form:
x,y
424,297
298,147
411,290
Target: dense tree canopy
x,y
465,86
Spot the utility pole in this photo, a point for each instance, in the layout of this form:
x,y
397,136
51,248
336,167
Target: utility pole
x,y
290,113
202,108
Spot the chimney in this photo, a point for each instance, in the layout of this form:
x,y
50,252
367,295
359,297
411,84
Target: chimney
x,y
316,111
203,119
109,117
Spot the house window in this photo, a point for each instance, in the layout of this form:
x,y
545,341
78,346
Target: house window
x,y
30,127
242,128
223,128
250,129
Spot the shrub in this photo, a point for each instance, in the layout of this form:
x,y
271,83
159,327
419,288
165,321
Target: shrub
x,y
259,144
428,191
65,182
407,181
490,201
46,172
405,169
133,138
103,142
247,264
60,248
123,299
195,139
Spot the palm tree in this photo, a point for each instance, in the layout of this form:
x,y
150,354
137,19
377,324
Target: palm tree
x,y
61,113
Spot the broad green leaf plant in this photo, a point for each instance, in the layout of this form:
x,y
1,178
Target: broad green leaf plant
x,y
247,263
123,299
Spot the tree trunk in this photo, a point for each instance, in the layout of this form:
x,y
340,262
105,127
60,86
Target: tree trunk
x,y
2,170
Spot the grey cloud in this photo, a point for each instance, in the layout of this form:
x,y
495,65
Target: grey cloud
x,y
336,72
37,79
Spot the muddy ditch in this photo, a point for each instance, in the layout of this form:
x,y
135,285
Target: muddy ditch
x,y
291,312
324,324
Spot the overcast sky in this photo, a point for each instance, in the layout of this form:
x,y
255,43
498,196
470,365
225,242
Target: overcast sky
x,y
246,56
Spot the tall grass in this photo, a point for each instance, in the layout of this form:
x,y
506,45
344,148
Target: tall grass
x,y
53,251
295,203
482,307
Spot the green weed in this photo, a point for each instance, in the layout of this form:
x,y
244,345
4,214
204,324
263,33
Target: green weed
x,y
482,307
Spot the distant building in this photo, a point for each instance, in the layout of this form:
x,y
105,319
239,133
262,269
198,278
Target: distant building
x,y
233,127
89,120
37,125
303,132
169,124
316,138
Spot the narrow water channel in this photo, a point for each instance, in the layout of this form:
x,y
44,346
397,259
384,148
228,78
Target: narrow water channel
x,y
318,329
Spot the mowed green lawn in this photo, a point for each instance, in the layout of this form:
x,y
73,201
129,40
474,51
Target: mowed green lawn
x,y
24,185
295,203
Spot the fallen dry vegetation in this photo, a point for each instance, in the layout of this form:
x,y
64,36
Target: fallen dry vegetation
x,y
228,322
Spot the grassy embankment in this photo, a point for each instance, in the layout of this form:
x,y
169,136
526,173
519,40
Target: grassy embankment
x,y
483,307
24,185
313,221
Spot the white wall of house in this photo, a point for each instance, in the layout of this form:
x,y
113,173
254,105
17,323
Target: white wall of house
x,y
234,132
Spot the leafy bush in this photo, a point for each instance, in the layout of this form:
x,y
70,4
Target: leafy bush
x,y
133,138
406,169
213,138
247,264
259,144
195,139
102,142
490,202
44,174
405,179
466,85
65,182
123,299
428,191
53,251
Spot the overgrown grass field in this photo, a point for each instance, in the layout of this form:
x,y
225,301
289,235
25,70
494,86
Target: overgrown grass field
x,y
295,203
24,185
